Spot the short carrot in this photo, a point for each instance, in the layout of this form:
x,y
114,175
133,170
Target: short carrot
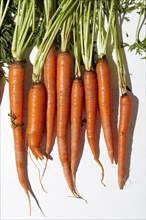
x,y
77,101
50,68
16,95
91,101
36,118
104,99
125,105
125,113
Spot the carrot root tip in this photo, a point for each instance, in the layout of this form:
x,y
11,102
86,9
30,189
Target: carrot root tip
x,y
121,183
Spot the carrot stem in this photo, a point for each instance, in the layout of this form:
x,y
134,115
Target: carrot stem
x,y
87,38
109,27
77,46
65,33
119,56
139,24
24,21
3,11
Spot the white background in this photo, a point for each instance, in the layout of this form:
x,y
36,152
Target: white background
x,y
103,202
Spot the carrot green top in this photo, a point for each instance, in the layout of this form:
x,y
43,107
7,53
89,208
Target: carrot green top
x,y
77,45
119,56
87,31
24,28
102,37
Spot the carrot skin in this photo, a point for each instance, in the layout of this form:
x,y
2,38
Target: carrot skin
x,y
50,68
77,100
36,118
104,99
64,69
125,114
91,90
16,96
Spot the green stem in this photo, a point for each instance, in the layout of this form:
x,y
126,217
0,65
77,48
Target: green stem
x,y
65,33
93,32
21,42
109,26
23,14
3,13
15,36
77,47
32,32
87,29
86,35
101,38
119,55
49,10
24,22
139,22
81,30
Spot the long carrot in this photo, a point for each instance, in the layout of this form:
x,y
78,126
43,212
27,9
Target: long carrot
x,y
103,78
91,102
104,99
64,69
77,100
90,79
24,26
125,113
36,118
16,95
50,68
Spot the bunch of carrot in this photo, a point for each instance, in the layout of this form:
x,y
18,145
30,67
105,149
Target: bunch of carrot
x,y
56,96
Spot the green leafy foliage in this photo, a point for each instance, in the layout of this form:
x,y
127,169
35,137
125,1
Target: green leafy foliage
x,y
7,30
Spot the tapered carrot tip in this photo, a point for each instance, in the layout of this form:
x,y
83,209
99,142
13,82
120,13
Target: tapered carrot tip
x,y
112,159
121,182
111,156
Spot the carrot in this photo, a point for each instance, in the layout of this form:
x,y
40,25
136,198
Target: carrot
x,y
77,99
64,69
36,118
125,113
91,90
50,67
104,99
16,95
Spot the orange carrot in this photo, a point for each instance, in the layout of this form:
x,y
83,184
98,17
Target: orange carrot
x,y
77,100
64,69
91,90
104,99
50,67
16,95
125,113
36,118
